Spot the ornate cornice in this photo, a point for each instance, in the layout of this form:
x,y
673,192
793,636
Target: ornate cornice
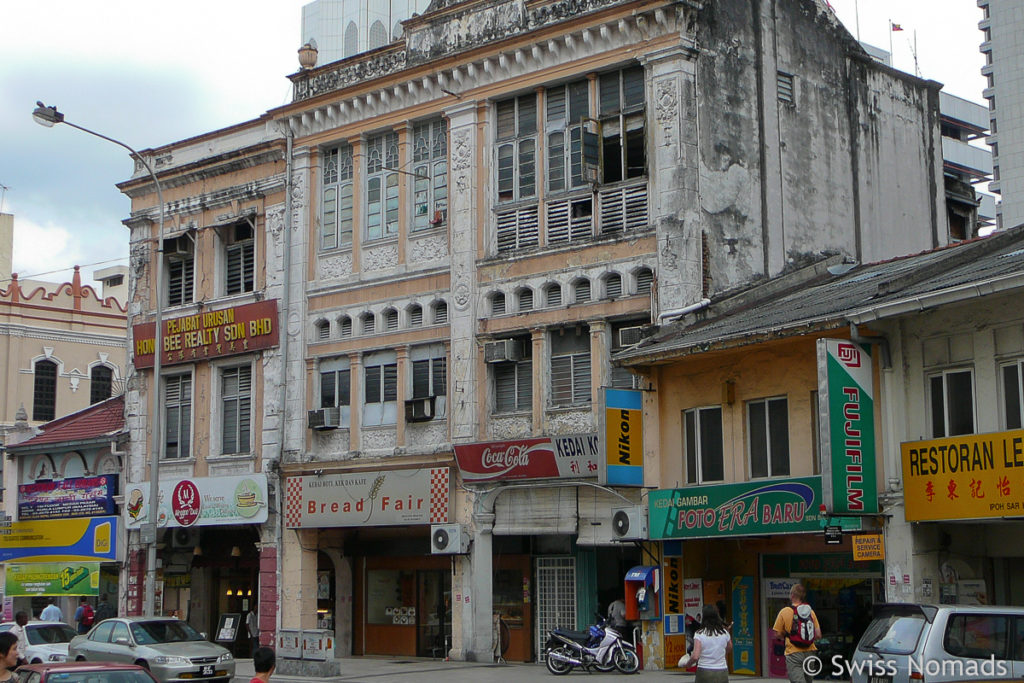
x,y
192,204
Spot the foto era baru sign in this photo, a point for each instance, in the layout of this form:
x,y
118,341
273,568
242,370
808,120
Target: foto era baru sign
x,y
847,419
973,476
390,498
623,462
549,457
210,334
774,506
203,501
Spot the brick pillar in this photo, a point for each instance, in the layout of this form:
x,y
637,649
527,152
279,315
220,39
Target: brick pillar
x,y
267,613
136,577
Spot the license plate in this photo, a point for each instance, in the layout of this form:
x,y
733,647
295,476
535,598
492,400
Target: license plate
x,y
206,670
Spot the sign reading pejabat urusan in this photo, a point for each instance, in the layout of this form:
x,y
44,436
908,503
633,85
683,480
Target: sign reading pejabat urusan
x,y
847,417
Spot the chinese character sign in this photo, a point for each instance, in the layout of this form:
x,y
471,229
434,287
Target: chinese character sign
x,y
964,477
846,402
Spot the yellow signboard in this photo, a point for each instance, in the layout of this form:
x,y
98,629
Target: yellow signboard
x,y
964,477
673,585
624,438
868,547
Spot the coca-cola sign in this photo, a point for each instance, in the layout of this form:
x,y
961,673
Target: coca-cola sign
x,y
573,456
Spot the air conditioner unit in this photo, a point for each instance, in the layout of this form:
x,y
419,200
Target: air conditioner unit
x,y
630,335
504,350
629,523
420,409
448,539
184,537
179,246
325,418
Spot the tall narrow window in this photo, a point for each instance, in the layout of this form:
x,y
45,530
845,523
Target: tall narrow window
x,y
368,323
952,403
570,367
513,382
613,286
581,290
430,169
768,437
623,142
236,404
336,202
240,259
703,443
101,383
567,106
335,387
180,270
44,403
516,135
380,389
1013,395
430,375
382,168
177,416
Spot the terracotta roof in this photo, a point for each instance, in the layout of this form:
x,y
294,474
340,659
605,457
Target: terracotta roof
x,y
102,419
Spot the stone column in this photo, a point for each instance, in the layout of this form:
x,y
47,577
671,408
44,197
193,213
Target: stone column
x,y
355,401
404,380
358,145
599,375
298,590
477,630
540,386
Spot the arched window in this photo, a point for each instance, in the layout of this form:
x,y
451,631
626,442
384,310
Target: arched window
x,y
351,39
440,313
497,304
391,320
526,299
644,280
368,323
323,330
553,295
415,315
581,290
345,326
44,400
378,35
101,383
613,286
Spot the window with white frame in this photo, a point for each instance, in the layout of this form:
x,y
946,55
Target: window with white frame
x,y
516,137
429,375
336,387
44,396
623,146
380,389
1012,375
336,198
570,367
702,429
382,164
239,259
951,401
177,416
566,107
513,381
236,409
430,169
101,383
768,437
179,253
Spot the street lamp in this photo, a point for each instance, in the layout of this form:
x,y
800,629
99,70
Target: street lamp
x,y
48,116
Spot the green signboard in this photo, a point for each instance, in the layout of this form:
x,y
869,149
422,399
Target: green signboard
x,y
846,387
771,506
52,578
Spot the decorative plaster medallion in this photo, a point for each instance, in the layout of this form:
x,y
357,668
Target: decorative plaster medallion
x,y
462,151
460,292
666,104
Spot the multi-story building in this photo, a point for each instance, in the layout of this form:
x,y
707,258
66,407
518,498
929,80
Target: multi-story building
x,y
454,233
343,28
1001,23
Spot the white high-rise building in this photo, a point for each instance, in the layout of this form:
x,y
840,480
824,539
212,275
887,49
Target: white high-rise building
x,y
1002,26
342,28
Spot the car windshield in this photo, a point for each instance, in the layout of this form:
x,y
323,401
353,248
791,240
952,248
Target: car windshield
x,y
896,634
47,635
150,632
115,676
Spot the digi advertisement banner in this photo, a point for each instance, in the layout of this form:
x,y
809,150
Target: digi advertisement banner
x,y
847,426
49,578
975,476
623,462
83,539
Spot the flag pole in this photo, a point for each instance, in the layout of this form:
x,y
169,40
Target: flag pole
x,y
892,57
856,14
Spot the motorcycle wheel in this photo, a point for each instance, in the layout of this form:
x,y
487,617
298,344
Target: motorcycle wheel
x,y
606,667
626,661
555,666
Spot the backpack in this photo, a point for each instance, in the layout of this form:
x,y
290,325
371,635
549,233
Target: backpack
x,y
88,616
801,632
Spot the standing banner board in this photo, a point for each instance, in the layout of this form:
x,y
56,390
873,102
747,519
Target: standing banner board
x,y
623,432
51,578
743,625
847,425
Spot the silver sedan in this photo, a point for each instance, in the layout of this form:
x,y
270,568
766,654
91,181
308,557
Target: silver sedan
x,y
171,649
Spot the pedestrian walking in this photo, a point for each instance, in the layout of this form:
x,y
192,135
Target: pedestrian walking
x,y
798,625
51,612
712,646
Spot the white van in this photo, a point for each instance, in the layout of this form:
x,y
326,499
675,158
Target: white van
x,y
908,643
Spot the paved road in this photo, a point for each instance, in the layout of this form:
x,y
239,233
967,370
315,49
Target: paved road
x,y
412,670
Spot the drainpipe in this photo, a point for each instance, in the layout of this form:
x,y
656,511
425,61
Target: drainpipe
x,y
680,312
881,341
286,270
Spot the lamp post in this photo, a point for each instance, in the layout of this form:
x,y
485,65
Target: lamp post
x,y
48,116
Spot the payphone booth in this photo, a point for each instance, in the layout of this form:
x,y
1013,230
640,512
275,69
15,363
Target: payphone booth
x,y
643,593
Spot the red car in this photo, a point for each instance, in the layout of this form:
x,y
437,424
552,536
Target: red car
x,y
83,672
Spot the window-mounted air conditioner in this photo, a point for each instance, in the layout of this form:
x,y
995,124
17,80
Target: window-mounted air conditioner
x,y
630,335
325,418
502,351
420,409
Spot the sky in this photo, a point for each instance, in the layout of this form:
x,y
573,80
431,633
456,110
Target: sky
x,y
149,73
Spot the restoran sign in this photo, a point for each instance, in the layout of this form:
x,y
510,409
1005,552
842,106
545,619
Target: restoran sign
x,y
972,476
548,457
209,334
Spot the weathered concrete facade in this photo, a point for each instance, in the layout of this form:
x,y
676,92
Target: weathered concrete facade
x,y
437,205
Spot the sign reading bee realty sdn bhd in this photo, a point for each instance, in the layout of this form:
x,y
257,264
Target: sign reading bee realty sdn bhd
x,y
210,334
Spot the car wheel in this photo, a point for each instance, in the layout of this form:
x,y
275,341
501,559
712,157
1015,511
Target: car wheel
x,y
79,658
143,663
37,661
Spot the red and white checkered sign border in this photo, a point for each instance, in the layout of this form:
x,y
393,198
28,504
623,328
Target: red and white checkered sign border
x,y
293,502
439,494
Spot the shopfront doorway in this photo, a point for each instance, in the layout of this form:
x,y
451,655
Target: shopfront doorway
x,y
434,604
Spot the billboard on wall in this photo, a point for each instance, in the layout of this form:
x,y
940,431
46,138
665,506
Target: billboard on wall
x,y
82,539
71,497
570,456
974,476
847,426
209,334
622,428
390,498
203,501
50,578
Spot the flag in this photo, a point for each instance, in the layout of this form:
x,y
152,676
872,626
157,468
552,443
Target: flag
x,y
896,27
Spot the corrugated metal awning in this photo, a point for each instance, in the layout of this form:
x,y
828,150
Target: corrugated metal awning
x,y
526,512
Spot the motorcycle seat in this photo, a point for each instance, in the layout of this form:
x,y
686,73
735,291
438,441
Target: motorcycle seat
x,y
578,636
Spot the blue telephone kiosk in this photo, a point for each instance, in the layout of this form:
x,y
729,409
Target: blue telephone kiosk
x,y
643,593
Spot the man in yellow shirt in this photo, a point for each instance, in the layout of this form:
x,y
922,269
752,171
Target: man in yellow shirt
x,y
797,652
